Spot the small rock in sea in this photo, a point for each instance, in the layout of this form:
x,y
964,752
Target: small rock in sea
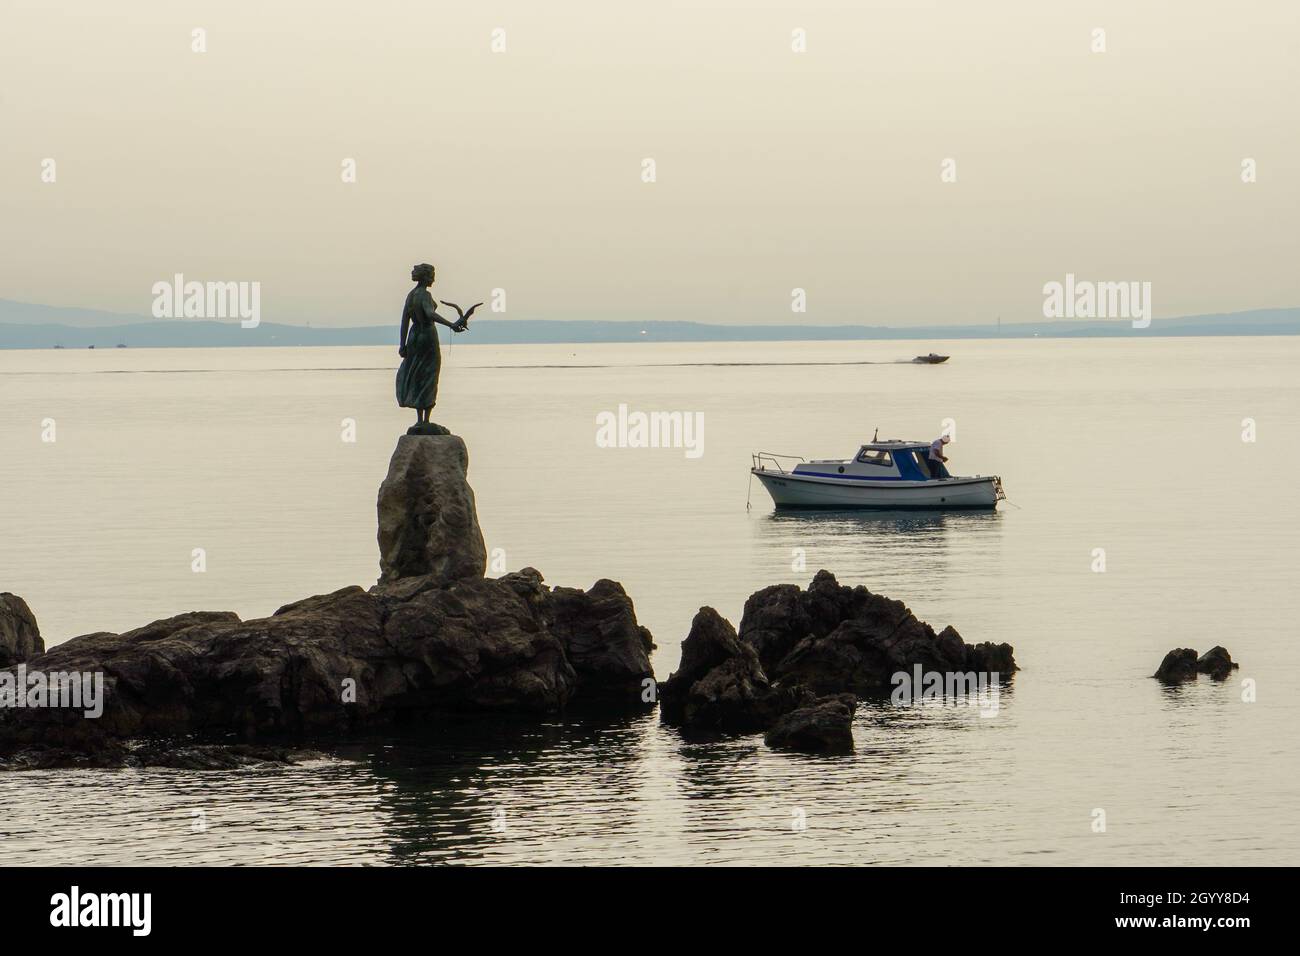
x,y
824,726
1216,662
1178,665
1182,664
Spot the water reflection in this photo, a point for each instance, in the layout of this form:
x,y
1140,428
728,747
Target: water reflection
x,y
891,522
473,790
591,791
901,553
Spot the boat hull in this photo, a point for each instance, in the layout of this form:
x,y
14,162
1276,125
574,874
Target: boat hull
x,y
791,491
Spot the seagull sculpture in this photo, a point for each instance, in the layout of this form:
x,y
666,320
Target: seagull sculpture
x,y
463,321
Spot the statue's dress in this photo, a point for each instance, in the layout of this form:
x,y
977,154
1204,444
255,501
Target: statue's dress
x,y
417,376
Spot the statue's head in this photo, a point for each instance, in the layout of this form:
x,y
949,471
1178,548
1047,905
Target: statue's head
x,y
423,274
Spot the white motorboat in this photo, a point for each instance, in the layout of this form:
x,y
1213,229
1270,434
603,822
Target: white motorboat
x,y
883,474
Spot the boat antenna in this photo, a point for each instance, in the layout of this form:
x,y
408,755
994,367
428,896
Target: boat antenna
x,y
876,436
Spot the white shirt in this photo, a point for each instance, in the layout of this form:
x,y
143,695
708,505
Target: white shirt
x,y
936,450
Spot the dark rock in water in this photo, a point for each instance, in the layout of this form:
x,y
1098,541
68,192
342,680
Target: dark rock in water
x,y
1182,664
1178,665
720,685
20,638
989,658
832,639
428,428
824,726
777,618
795,647
774,620
1216,662
609,651
428,524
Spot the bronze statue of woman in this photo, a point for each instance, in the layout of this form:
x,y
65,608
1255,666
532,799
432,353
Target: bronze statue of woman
x,y
417,377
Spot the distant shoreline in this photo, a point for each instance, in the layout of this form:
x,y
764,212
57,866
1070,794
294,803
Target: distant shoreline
x,y
25,326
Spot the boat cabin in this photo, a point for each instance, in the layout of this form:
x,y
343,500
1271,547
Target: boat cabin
x,y
892,460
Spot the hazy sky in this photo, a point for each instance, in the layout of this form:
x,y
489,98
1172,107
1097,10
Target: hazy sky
x,y
522,169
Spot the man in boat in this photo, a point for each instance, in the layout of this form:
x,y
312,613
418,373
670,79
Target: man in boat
x,y
937,457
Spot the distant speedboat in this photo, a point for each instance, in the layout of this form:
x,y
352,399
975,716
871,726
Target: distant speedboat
x,y
883,474
932,359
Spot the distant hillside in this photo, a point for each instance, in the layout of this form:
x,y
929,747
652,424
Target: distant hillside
x,y
25,326
29,313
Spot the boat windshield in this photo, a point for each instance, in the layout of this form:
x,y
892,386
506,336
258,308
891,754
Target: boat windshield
x,y
875,456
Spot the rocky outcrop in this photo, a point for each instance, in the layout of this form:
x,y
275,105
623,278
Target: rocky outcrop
x,y
720,685
800,659
609,651
1182,664
428,524
824,726
433,636
836,639
20,638
348,661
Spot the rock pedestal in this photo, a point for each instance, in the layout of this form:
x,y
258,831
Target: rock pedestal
x,y
20,638
428,524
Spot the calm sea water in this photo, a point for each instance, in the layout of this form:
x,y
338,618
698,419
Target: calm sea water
x,y
1134,447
